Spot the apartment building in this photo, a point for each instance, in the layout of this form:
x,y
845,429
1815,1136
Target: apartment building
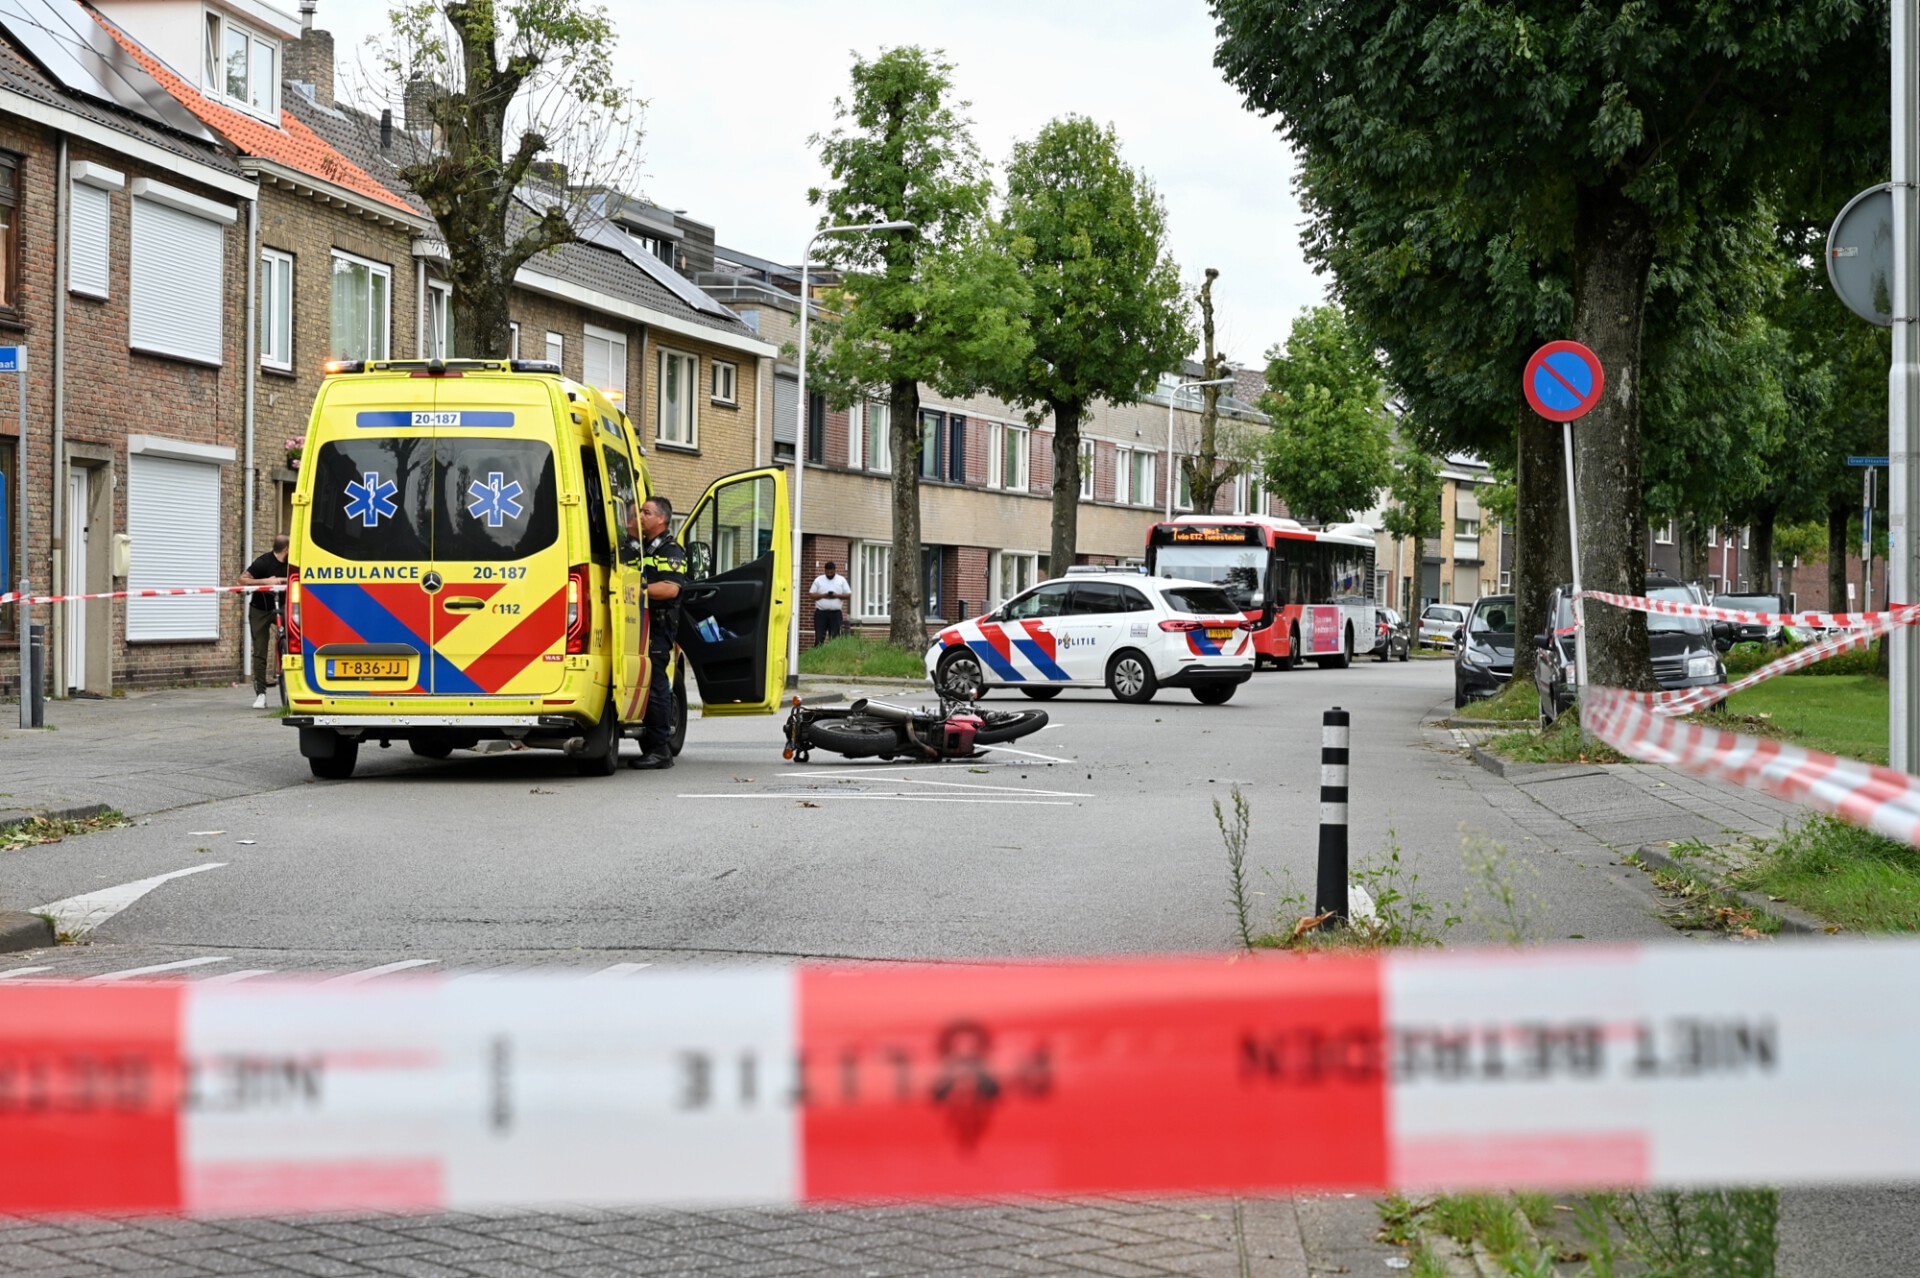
x,y
1469,558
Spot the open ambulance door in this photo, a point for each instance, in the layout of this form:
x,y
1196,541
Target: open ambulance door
x,y
737,605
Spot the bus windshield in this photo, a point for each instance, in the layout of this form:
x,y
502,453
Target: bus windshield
x,y
1239,570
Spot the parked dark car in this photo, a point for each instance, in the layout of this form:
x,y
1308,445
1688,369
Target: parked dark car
x,y
1483,657
1685,650
1391,635
1745,632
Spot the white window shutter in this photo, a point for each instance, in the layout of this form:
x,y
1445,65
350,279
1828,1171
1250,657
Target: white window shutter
x,y
173,519
89,234
176,304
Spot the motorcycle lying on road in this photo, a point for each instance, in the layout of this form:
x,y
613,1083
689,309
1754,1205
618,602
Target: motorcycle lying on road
x,y
869,729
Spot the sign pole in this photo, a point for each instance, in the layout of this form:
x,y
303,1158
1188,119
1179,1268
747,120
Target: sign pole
x,y
1579,604
1903,398
1866,543
1564,380
23,613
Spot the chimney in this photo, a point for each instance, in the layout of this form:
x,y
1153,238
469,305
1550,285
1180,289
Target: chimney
x,y
421,97
310,59
306,15
386,129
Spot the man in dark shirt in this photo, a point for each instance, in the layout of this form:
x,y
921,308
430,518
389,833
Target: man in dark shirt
x,y
263,607
663,565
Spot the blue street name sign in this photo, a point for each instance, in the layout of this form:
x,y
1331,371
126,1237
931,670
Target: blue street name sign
x,y
13,359
1851,461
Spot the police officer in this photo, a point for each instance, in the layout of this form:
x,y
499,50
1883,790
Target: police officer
x,y
663,566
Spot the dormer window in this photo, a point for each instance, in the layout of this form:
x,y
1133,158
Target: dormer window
x,y
243,67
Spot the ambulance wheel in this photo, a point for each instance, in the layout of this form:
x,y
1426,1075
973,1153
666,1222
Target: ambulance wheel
x,y
959,675
1130,677
1040,694
431,747
678,741
601,756
337,766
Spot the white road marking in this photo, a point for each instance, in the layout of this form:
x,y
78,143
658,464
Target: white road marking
x,y
22,971
232,978
616,971
1360,904
372,973
83,913
1026,754
175,966
896,798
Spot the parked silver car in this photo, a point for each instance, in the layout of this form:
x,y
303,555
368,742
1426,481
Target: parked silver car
x,y
1439,623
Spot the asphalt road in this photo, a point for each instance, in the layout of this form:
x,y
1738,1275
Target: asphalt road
x,y
1095,836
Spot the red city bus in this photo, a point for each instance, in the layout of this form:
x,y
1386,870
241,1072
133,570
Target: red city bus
x,y
1309,591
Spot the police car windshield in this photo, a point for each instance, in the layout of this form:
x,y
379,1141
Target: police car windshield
x,y
1241,571
1201,601
415,497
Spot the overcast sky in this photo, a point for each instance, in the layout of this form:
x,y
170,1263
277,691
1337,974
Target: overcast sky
x,y
730,109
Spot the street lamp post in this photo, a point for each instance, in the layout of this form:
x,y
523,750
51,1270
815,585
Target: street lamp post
x,y
1171,396
800,432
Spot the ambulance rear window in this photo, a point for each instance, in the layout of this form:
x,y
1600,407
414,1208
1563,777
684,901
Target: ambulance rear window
x,y
415,498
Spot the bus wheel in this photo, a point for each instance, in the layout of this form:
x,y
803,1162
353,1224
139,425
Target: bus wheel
x,y
1292,658
1345,658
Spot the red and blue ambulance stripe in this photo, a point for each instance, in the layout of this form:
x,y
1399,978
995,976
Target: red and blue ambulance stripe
x,y
350,612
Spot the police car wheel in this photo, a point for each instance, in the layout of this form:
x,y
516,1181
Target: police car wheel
x,y
1130,678
959,674
1040,694
1215,694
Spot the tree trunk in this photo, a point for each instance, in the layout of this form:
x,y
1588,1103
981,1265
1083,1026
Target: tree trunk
x,y
907,625
1205,475
1838,513
1397,590
1066,486
1613,252
1761,561
1540,558
1693,548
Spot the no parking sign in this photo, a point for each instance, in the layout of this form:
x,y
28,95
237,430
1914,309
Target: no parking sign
x,y
1563,381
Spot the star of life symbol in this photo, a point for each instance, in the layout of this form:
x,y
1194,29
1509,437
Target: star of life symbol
x,y
371,500
495,501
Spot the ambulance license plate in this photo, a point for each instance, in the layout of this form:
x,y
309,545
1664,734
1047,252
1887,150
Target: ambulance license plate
x,y
1219,632
366,667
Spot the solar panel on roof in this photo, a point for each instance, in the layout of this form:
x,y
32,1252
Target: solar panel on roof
x,y
607,235
80,55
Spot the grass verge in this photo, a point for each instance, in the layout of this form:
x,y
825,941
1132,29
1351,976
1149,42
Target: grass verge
x,y
859,656
1847,875
1558,744
37,830
1702,905
1843,714
1518,702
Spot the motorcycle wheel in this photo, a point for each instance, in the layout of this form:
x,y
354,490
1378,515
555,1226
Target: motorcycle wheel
x,y
1008,725
856,736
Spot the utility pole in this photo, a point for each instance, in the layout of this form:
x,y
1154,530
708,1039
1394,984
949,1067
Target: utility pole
x,y
1903,398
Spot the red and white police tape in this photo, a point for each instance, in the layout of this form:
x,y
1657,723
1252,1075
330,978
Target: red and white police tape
x,y
15,596
1597,1065
1879,798
1905,614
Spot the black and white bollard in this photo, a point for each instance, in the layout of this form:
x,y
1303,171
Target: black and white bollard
x,y
1330,888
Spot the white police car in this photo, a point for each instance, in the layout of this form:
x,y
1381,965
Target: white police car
x,y
1130,634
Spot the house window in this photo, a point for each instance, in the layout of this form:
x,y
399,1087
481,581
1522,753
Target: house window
x,y
1183,488
1086,470
276,309
1015,457
1013,572
1713,535
1663,535
1746,538
1134,477
439,302
604,355
90,228
930,582
872,590
1256,494
957,450
876,435
817,428
930,432
726,382
1466,527
556,350
242,67
9,232
173,521
360,307
675,420
513,339
176,296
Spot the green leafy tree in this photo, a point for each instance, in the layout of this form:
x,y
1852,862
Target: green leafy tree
x,y
940,304
1107,314
1609,129
1329,450
538,73
1415,513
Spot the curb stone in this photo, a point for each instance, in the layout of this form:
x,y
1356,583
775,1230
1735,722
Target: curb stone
x,y
10,817
1791,918
864,679
1520,773
24,931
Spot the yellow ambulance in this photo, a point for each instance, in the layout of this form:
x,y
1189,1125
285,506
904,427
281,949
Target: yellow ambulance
x,y
465,567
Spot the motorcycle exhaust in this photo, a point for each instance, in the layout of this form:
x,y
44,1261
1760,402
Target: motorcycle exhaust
x,y
886,710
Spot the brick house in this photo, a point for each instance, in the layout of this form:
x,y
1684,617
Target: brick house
x,y
123,237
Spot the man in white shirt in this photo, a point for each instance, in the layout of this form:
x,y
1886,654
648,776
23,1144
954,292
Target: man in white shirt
x,y
830,593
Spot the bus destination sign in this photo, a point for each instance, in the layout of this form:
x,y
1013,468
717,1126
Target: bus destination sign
x,y
1214,534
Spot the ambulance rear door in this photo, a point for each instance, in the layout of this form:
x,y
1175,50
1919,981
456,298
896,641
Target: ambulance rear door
x,y
738,602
